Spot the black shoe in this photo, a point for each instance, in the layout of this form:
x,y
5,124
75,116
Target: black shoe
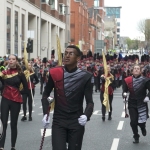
x,y
30,118
23,118
143,131
103,118
41,93
109,118
13,149
95,90
136,141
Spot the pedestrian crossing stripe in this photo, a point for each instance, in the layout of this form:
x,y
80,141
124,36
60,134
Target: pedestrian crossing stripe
x,y
97,112
48,132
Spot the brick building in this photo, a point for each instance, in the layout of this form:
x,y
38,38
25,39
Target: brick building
x,y
79,25
87,23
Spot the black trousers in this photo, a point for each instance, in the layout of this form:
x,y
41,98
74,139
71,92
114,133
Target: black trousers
x,y
30,101
14,108
134,122
96,83
103,106
65,131
41,85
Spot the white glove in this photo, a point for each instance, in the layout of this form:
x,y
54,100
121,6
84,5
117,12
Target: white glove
x,y
46,122
82,120
124,94
146,99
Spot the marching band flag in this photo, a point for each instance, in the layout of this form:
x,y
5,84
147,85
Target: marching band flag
x,y
59,52
107,83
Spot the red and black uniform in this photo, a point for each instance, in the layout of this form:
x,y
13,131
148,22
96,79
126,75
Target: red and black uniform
x,y
110,92
91,69
70,88
11,101
43,78
138,109
31,86
96,78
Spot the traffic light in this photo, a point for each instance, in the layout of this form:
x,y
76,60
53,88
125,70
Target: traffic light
x,y
30,46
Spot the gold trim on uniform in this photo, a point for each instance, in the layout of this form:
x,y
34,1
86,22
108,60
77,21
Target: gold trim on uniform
x,y
1,74
10,75
27,75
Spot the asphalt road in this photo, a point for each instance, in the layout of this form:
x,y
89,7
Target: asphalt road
x,y
109,135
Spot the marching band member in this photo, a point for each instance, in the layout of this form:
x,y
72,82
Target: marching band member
x,y
71,85
31,87
137,86
110,93
11,98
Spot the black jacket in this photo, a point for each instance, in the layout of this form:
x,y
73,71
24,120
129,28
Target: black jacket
x,y
70,88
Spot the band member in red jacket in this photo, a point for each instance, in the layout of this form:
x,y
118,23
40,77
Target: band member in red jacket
x,y
137,86
32,81
71,85
110,92
11,98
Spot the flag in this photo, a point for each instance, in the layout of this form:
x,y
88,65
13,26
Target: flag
x,y
26,72
137,62
59,52
107,83
105,64
25,56
59,64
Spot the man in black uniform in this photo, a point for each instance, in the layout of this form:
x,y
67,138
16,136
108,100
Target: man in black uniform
x,y
137,86
71,85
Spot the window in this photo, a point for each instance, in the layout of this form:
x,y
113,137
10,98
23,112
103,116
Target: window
x,y
118,24
118,36
55,5
61,9
16,33
45,1
23,31
118,30
96,3
8,32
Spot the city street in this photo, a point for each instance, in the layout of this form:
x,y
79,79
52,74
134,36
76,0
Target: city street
x,y
108,135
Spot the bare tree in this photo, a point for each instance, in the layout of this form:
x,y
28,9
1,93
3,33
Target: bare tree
x,y
144,27
141,26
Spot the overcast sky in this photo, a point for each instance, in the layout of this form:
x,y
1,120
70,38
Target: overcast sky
x,y
131,13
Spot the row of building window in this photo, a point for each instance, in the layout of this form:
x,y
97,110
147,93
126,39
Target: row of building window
x,y
16,35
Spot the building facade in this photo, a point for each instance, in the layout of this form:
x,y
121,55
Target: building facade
x,y
79,25
23,19
115,12
87,23
110,32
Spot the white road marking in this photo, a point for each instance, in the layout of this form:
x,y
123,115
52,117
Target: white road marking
x,y
48,132
120,126
8,122
21,112
115,144
27,113
40,107
123,114
52,112
96,112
